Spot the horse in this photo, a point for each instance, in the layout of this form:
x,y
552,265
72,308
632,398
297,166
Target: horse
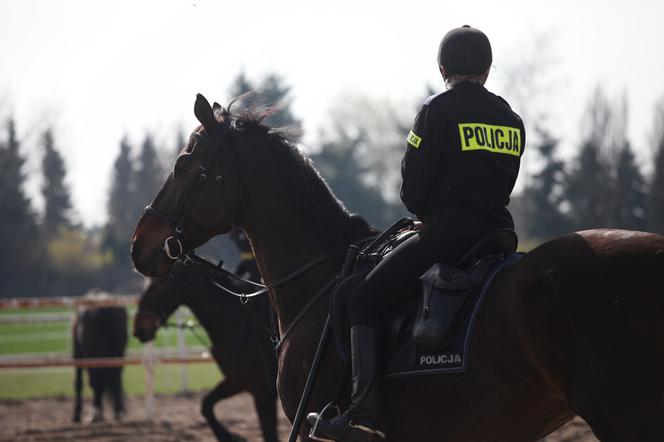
x,y
100,332
573,328
240,347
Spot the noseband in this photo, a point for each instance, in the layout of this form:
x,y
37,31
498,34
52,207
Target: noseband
x,y
173,245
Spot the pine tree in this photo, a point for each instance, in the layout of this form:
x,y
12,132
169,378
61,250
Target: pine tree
x,y
148,178
57,201
656,192
588,189
121,216
272,92
340,163
629,198
241,85
543,196
275,92
656,187
18,232
592,178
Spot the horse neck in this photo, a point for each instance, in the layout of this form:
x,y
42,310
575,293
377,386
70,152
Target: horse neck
x,y
283,242
218,320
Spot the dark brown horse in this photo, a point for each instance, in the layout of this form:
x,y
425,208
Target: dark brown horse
x,y
100,332
241,348
573,328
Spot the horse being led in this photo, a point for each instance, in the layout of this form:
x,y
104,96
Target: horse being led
x,y
100,332
240,347
573,328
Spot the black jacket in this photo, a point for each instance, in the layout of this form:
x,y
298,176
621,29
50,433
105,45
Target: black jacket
x,y
461,162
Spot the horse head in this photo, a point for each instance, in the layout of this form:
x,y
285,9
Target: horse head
x,y
159,300
194,204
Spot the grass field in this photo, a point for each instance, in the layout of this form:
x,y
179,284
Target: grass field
x,y
55,337
17,339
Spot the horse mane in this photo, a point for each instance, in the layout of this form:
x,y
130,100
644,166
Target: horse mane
x,y
334,225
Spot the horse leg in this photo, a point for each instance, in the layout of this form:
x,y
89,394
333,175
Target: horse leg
x,y
78,387
224,389
96,376
266,407
115,384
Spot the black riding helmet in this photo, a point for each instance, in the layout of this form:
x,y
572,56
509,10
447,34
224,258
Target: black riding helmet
x,y
465,50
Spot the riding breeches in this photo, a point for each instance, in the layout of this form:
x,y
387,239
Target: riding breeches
x,y
395,278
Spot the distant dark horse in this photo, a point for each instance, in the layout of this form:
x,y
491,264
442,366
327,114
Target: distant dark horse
x,y
100,332
240,347
575,327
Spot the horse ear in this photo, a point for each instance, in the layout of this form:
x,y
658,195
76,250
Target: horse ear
x,y
203,112
218,110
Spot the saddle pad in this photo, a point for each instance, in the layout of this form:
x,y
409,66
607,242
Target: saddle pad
x,y
412,360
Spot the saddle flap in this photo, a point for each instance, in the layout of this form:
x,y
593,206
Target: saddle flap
x,y
445,291
445,277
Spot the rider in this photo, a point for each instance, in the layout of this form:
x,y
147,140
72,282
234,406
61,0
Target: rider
x,y
461,162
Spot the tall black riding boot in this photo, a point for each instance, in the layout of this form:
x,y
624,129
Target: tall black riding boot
x,y
360,422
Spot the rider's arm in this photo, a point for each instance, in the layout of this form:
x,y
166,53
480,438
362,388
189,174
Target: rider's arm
x,y
421,162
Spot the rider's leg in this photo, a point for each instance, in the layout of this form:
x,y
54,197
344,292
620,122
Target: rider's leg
x,y
391,281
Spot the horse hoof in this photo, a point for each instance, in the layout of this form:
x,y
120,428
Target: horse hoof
x,y
76,419
237,438
97,417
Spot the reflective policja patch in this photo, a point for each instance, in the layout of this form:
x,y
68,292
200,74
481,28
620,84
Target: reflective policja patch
x,y
495,139
414,140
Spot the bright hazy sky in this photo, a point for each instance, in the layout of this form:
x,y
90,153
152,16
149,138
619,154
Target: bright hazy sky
x,y
99,69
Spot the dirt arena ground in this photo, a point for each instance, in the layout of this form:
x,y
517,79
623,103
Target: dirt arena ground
x,y
177,420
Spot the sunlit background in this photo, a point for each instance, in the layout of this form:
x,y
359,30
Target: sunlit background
x,y
351,74
96,99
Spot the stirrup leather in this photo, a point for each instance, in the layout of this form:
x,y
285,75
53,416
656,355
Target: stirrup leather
x,y
313,433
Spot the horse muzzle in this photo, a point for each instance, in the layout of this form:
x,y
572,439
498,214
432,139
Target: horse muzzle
x,y
152,264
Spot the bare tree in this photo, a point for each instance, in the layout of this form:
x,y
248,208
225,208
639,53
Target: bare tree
x,y
529,80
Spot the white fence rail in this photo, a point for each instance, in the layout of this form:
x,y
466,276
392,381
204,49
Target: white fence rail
x,y
63,301
149,359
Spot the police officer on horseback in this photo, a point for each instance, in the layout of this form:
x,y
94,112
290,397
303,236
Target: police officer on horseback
x,y
461,162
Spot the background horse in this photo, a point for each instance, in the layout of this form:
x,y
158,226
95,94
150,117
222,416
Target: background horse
x,y
241,348
100,332
573,328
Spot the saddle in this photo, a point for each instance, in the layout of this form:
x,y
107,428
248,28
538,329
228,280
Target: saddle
x,y
430,332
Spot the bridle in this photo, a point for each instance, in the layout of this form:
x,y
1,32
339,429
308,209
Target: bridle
x,y
173,245
175,249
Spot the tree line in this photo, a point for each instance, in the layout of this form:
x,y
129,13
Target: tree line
x,y
602,185
50,253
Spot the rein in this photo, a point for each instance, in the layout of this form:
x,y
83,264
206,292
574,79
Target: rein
x,y
218,270
188,325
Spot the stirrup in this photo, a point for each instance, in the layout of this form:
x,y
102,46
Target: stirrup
x,y
325,414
